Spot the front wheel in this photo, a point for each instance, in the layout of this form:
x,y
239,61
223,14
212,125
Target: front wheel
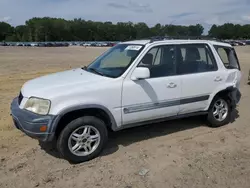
x,y
82,139
219,112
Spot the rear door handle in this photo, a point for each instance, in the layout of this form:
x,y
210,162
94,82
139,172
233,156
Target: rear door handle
x,y
171,85
218,79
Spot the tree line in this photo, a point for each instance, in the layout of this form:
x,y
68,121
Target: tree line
x,y
230,31
57,29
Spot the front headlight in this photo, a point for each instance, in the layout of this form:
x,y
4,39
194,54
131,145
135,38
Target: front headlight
x,y
37,105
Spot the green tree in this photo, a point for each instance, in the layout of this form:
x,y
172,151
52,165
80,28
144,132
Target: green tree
x,y
21,33
142,30
58,29
230,31
195,30
5,30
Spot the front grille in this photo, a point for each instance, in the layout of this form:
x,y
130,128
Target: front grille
x,y
20,98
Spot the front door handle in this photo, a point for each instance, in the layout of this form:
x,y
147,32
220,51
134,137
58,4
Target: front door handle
x,y
171,85
218,79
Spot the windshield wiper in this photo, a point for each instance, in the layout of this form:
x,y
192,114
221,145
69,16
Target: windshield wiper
x,y
92,69
96,71
84,68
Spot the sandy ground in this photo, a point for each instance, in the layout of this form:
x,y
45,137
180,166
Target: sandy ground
x,y
180,153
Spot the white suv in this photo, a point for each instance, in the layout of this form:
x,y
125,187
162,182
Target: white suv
x,y
131,84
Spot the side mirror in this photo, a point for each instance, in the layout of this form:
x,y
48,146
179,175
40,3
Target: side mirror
x,y
140,73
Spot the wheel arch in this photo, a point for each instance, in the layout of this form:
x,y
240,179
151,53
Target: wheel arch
x,y
227,92
71,113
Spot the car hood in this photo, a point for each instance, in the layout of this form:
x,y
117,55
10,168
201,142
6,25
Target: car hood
x,y
53,84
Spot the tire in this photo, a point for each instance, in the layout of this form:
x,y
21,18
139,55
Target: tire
x,y
213,120
66,141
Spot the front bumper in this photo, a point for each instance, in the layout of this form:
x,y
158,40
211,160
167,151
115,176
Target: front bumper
x,y
30,123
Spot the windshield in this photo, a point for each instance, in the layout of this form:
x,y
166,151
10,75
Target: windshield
x,y
115,61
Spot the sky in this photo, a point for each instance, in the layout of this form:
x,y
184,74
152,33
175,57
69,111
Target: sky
x,y
184,12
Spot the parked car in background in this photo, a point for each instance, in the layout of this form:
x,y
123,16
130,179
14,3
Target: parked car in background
x,y
247,42
241,43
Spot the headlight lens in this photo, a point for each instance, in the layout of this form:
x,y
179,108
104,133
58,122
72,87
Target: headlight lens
x,y
37,105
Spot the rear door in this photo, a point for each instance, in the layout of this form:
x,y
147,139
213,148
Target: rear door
x,y
199,75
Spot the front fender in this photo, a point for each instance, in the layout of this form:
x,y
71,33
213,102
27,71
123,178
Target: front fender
x,y
82,107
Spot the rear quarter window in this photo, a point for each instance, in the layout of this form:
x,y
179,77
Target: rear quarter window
x,y
228,56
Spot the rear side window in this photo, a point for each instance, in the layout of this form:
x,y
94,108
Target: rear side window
x,y
228,57
194,58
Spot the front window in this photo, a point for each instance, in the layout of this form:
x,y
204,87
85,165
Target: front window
x,y
160,61
114,62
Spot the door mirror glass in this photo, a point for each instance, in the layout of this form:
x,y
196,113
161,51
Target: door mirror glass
x,y
140,73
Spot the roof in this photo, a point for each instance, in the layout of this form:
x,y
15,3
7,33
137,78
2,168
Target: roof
x,y
175,41
142,42
220,43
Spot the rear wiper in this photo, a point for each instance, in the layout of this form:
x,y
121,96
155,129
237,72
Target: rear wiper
x,y
96,71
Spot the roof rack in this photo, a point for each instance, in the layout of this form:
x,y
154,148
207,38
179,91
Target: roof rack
x,y
160,38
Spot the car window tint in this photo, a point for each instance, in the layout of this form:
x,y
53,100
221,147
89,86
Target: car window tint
x,y
116,59
157,57
160,60
204,56
194,58
223,55
228,57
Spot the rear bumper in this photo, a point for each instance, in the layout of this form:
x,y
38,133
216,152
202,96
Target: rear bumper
x,y
235,96
30,123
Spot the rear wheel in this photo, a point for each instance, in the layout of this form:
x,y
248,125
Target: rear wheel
x,y
219,112
82,139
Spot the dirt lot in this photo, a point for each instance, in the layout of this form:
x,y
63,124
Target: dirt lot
x,y
182,153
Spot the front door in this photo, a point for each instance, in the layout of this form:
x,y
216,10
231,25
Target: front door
x,y
156,97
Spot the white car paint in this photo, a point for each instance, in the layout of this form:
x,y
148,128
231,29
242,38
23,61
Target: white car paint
x,y
78,87
150,91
